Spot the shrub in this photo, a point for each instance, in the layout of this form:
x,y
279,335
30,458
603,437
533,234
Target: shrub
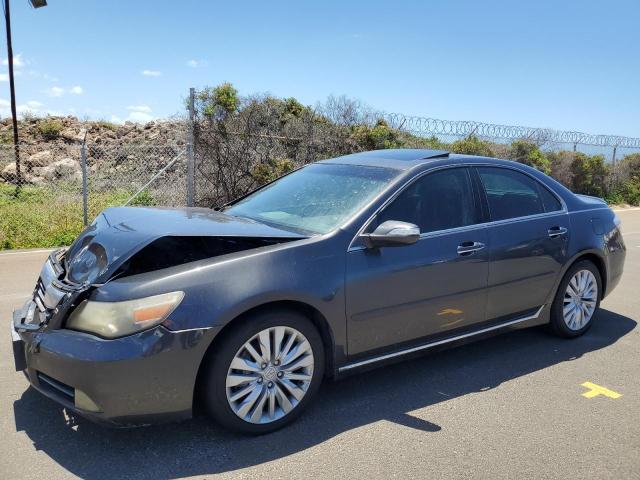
x,y
472,145
272,169
530,154
589,174
218,102
49,128
377,137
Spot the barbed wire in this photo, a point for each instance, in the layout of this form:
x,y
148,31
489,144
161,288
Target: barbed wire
x,y
434,126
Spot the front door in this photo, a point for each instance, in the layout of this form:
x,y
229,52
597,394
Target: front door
x,y
438,284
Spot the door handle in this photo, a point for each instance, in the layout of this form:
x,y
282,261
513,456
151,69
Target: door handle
x,y
555,232
469,248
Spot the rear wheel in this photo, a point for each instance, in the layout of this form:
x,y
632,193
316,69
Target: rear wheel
x,y
577,300
264,372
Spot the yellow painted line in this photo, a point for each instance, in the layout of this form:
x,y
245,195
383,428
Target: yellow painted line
x,y
595,390
450,311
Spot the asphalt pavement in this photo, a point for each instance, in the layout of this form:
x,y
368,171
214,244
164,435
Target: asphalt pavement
x,y
512,406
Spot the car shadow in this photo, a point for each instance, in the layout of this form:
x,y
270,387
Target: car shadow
x,y
198,446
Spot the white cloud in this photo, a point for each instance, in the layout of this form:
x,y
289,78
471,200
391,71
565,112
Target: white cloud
x,y
4,103
151,73
139,117
18,62
197,63
137,114
4,77
34,104
55,92
139,108
59,91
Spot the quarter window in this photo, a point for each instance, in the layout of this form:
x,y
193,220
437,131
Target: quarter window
x,y
513,194
436,201
549,200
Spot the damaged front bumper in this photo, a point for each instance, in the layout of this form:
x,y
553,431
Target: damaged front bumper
x,y
139,379
136,380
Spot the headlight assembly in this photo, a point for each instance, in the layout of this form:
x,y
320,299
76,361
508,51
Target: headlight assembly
x,y
118,319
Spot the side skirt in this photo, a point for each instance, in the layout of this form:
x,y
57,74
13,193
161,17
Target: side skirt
x,y
436,343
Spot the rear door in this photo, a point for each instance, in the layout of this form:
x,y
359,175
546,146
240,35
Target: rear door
x,y
438,284
528,235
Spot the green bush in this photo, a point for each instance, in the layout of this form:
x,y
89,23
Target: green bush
x,y
220,101
49,128
472,145
274,168
378,137
530,154
589,174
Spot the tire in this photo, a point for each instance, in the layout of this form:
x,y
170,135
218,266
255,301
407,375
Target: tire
x,y
232,396
586,276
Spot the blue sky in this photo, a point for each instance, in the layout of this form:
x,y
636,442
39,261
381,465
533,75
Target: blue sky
x,y
560,64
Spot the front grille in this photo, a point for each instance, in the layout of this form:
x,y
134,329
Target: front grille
x,y
56,387
38,295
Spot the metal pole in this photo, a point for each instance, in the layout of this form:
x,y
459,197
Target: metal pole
x,y
85,188
12,93
190,150
613,158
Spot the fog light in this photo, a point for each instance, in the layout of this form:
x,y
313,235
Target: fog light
x,y
83,402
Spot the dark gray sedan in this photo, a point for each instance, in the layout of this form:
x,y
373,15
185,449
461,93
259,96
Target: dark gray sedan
x,y
341,265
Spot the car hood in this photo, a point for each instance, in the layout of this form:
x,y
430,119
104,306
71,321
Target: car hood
x,y
120,232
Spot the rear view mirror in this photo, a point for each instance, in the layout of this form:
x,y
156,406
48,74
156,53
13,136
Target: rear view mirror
x,y
392,233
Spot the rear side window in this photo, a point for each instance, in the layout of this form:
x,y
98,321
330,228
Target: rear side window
x,y
549,200
437,201
511,194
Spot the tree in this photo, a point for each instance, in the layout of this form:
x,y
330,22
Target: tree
x,y
530,154
472,145
589,174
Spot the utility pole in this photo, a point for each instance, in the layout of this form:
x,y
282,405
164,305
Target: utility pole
x,y
12,88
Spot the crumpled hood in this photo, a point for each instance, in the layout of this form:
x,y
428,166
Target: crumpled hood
x,y
119,232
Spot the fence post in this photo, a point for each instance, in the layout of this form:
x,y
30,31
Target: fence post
x,y
190,150
85,188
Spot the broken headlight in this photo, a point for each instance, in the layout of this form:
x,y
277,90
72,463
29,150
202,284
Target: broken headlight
x,y
88,264
117,319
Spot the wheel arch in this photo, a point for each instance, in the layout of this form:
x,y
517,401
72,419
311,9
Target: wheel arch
x,y
309,311
599,262
595,257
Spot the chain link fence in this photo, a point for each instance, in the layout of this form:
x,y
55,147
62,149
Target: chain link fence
x,y
68,176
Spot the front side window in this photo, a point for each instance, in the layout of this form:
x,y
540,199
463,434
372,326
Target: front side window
x,y
511,194
315,199
437,201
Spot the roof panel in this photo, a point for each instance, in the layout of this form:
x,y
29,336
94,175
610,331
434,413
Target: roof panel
x,y
401,158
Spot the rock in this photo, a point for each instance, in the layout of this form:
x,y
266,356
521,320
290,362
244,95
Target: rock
x,y
9,173
65,169
40,159
72,135
32,179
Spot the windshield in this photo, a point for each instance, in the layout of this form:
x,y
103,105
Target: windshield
x,y
317,198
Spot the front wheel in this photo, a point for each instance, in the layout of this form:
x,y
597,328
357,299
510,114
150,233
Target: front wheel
x,y
264,372
577,299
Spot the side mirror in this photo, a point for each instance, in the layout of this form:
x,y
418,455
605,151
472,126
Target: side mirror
x,y
392,234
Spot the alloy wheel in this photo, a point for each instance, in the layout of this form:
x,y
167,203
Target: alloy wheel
x,y
580,299
269,375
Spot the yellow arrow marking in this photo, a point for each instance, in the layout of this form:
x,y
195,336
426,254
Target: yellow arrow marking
x,y
450,311
595,390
